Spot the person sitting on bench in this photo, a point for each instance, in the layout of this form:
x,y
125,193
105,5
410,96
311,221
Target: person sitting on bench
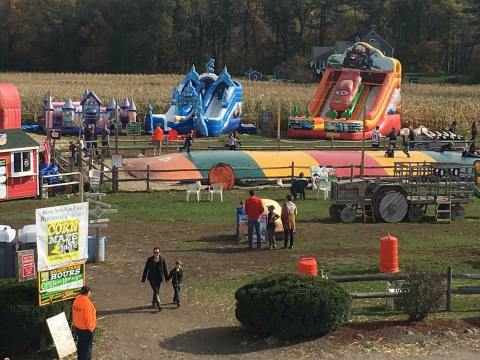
x,y
298,186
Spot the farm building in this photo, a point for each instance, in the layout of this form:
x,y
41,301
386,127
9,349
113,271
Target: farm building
x,y
18,151
18,165
254,75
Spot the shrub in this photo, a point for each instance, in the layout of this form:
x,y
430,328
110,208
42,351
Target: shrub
x,y
23,321
422,293
292,305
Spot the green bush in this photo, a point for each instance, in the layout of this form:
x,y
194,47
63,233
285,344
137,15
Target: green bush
x,y
292,306
422,293
22,320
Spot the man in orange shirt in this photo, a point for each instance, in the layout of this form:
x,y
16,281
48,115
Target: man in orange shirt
x,y
157,140
84,320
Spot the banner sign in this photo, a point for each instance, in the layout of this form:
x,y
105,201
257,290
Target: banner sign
x,y
134,128
62,235
60,284
242,222
61,335
25,265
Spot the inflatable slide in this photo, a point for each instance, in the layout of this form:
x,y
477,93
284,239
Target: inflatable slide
x,y
208,103
360,84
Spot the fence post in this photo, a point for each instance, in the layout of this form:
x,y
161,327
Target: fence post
x,y
292,175
449,289
351,172
167,146
148,177
114,179
331,143
102,169
40,185
80,186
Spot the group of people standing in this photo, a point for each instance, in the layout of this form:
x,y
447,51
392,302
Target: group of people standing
x,y
87,143
158,137
254,208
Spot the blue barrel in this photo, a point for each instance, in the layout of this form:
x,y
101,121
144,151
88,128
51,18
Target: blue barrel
x,y
92,248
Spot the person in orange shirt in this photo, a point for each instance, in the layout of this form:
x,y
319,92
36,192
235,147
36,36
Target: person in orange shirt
x,y
84,320
157,140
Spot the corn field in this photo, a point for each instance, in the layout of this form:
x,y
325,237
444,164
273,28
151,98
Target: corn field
x,y
432,105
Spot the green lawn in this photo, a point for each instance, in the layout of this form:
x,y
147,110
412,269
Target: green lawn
x,y
341,249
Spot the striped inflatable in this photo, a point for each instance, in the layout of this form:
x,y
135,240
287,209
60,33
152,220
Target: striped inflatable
x,y
262,164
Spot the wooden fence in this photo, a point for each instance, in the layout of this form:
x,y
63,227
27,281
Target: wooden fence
x,y
449,291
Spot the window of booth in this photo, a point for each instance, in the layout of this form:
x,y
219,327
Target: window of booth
x,y
22,163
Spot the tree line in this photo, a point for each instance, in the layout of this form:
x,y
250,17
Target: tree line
x,y
159,36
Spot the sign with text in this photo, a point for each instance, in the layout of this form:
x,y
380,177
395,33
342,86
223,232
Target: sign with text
x,y
242,221
134,128
62,235
117,161
26,265
61,335
55,134
60,284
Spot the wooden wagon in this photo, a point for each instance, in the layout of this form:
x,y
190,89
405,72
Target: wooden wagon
x,y
408,193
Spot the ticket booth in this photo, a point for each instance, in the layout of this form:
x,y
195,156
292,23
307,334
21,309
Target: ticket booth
x,y
18,165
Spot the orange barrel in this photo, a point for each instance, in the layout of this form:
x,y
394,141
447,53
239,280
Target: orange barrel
x,y
307,266
388,254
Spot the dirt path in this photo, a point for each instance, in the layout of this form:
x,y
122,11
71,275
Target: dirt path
x,y
208,330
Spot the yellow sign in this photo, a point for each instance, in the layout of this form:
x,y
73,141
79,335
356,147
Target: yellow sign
x,y
61,235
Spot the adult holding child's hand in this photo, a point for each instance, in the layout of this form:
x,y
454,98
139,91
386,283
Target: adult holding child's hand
x,y
156,272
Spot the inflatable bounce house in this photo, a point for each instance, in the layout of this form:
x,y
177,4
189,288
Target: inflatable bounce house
x,y
234,165
208,103
359,84
18,151
71,116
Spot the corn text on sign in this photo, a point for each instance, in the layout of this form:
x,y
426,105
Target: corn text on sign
x,y
62,235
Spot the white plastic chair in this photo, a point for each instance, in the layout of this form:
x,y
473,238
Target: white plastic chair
x,y
325,186
194,189
216,189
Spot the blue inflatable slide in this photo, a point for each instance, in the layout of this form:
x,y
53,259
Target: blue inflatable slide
x,y
208,103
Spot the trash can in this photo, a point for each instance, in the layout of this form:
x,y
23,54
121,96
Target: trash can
x,y
92,248
7,252
27,237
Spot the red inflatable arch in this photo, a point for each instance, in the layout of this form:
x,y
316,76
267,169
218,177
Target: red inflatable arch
x,y
10,107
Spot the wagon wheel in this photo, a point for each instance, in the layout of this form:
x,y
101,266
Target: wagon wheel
x,y
458,212
348,214
392,206
415,214
334,211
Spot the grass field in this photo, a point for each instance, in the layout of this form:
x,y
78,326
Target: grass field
x,y
432,105
196,231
